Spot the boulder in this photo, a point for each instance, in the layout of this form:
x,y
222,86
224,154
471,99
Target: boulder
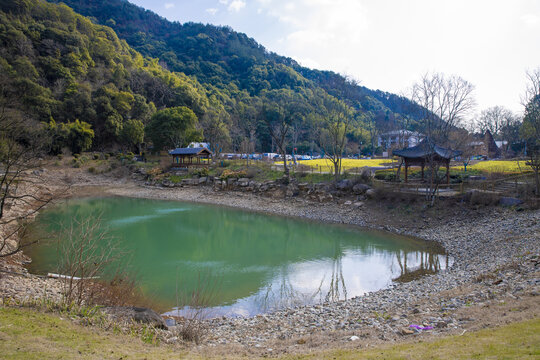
x,y
510,201
344,185
277,193
325,198
360,189
137,314
371,193
292,190
243,182
202,180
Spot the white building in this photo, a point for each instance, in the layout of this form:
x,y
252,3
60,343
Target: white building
x,y
199,145
399,139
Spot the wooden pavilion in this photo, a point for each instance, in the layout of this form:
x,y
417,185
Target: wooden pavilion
x,y
190,156
425,153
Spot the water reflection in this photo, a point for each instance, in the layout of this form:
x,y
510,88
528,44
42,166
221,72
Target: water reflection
x,y
263,263
329,280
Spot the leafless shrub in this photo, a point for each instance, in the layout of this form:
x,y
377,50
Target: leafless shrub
x,y
85,251
194,307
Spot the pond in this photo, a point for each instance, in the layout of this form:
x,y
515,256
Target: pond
x,y
252,262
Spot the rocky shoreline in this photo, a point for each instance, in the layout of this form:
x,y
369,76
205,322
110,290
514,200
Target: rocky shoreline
x,y
496,262
496,258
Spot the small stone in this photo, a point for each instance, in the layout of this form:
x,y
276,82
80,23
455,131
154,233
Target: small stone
x,y
354,338
441,324
405,331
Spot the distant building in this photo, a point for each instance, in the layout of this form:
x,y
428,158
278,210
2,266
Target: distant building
x,y
199,145
485,145
399,139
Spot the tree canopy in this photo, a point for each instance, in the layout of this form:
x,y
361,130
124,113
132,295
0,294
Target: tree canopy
x,y
173,127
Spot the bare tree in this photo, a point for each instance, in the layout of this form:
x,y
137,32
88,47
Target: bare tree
x,y
494,119
85,249
279,117
333,139
533,86
445,102
22,145
215,130
530,130
462,141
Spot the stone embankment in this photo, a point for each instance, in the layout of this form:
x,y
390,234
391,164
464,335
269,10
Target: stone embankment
x,y
277,189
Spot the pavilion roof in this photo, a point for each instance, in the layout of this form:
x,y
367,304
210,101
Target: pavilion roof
x,y
190,151
425,149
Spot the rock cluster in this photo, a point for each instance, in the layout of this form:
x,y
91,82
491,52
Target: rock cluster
x,y
320,192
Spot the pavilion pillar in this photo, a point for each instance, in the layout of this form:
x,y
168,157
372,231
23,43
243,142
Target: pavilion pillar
x,y
448,171
406,170
423,165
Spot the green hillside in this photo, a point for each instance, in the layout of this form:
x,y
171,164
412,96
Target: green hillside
x,y
242,70
98,90
59,67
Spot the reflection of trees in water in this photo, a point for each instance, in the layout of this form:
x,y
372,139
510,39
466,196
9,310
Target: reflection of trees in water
x,y
430,263
336,280
285,295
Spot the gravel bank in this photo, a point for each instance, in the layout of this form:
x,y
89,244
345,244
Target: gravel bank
x,y
496,261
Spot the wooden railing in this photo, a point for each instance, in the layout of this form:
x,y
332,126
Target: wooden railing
x,y
460,188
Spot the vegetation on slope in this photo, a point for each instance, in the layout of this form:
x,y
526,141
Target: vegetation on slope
x,y
59,68
239,72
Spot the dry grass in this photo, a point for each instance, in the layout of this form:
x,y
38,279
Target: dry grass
x,y
27,334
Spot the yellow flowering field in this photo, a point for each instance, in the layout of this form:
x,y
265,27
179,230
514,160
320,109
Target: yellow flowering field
x,y
498,166
326,165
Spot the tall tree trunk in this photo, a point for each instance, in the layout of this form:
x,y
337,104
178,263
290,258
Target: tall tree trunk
x,y
285,168
537,176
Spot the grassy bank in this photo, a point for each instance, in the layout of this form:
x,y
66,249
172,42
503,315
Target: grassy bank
x,y
27,334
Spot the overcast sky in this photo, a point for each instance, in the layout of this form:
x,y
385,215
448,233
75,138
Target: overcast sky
x,y
389,44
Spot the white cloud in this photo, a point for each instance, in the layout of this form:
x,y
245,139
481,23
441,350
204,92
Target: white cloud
x,y
389,44
237,5
212,11
531,20
169,5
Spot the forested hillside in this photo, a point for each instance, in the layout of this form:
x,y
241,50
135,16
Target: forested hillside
x,y
58,67
169,83
240,69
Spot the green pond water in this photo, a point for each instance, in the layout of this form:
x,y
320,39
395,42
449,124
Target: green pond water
x,y
255,263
